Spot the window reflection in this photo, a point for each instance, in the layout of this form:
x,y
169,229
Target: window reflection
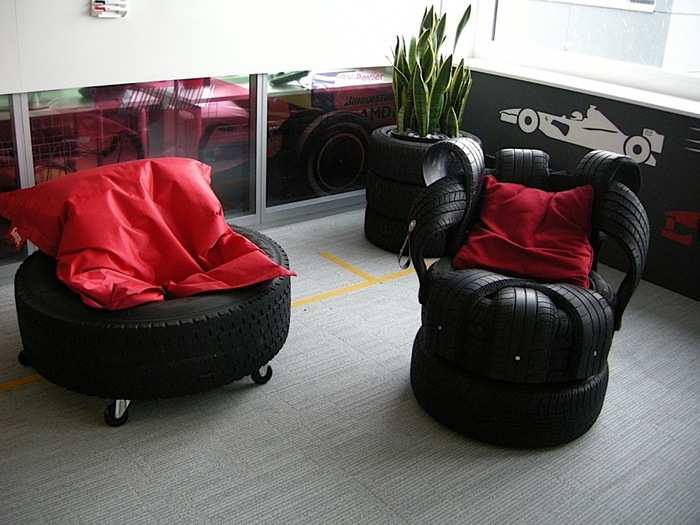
x,y
319,125
9,176
202,118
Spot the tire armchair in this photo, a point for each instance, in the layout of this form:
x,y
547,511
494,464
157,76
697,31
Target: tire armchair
x,y
514,361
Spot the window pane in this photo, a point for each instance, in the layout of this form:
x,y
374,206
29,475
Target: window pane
x,y
9,176
202,118
318,130
658,33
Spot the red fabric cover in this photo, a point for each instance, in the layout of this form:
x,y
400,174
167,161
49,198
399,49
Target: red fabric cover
x,y
532,233
128,233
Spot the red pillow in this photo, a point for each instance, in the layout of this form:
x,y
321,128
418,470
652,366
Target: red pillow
x,y
532,233
39,213
127,234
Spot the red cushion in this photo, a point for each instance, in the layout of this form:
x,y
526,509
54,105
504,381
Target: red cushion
x,y
125,234
532,233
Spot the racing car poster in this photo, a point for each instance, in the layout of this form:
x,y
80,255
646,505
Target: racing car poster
x,y
567,124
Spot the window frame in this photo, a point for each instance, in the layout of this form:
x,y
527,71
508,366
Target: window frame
x,y
541,60
625,5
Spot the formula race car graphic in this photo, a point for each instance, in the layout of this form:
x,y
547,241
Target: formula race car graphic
x,y
682,227
693,142
594,130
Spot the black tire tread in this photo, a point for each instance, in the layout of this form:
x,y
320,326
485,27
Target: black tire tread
x,y
396,159
509,414
391,198
389,233
523,166
480,321
600,168
180,346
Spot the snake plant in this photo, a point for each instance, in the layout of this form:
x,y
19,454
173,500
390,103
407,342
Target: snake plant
x,y
430,91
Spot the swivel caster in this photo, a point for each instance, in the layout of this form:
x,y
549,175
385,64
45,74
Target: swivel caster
x,y
23,358
259,378
117,412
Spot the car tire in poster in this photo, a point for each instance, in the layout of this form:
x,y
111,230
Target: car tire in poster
x,y
638,148
334,150
528,120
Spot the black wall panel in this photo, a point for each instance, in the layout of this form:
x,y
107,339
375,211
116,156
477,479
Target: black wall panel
x,y
567,124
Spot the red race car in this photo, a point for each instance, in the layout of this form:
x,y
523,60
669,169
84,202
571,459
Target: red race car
x,y
318,128
682,227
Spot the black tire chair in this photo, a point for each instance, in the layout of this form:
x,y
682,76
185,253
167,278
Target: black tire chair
x,y
513,361
157,350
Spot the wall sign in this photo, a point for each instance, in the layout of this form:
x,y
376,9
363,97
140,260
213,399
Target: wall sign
x,y
592,130
509,113
109,8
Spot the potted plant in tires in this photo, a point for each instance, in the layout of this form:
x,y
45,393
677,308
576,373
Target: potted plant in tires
x,y
430,94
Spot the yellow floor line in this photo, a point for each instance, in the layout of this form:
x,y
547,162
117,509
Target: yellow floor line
x,y
26,380
347,266
369,281
336,292
395,275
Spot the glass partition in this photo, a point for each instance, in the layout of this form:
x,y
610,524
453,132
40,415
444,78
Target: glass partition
x,y
318,126
9,175
202,118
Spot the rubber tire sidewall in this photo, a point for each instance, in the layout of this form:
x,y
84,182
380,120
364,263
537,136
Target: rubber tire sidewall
x,y
319,133
389,233
397,159
391,198
504,413
157,350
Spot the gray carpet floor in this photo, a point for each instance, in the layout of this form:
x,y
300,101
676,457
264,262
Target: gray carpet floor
x,y
337,437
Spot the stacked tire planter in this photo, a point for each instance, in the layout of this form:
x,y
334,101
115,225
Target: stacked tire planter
x,y
394,181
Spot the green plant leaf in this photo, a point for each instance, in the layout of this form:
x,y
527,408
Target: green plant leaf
x,y
452,124
399,86
428,19
462,24
443,76
438,94
456,83
437,102
463,102
412,54
427,63
466,82
423,43
440,33
400,114
421,102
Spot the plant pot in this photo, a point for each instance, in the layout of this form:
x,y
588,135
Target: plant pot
x,y
400,157
394,181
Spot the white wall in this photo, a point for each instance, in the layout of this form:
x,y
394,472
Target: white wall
x,y
685,27
618,34
55,44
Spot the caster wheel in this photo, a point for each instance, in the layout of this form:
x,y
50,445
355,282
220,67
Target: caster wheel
x,y
110,418
23,358
260,379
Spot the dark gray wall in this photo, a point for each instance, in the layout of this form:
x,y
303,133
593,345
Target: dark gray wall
x,y
670,188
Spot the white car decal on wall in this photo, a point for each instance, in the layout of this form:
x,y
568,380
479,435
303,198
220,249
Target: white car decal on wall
x,y
594,130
